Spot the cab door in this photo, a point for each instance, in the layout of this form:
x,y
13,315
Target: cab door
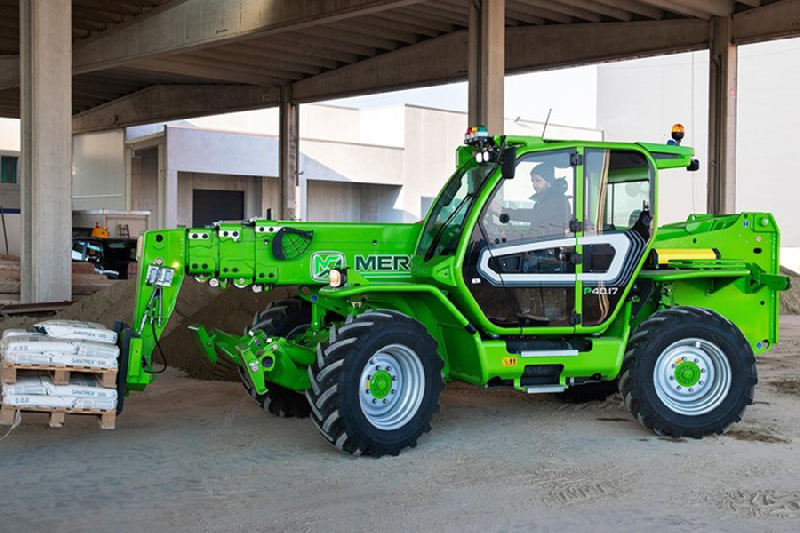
x,y
617,230
520,265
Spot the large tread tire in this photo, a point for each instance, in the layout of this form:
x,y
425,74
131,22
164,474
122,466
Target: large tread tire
x,y
651,338
280,319
336,375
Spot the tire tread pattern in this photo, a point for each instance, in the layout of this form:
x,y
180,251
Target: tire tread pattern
x,y
326,376
638,405
279,319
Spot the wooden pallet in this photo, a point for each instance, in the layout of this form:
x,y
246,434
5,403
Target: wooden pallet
x,y
8,413
61,375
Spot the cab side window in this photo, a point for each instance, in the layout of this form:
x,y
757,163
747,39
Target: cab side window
x,y
618,191
538,204
521,262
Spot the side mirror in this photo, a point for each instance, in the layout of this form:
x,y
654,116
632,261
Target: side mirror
x,y
694,166
509,163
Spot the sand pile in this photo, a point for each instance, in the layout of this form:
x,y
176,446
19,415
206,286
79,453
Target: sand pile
x,y
231,312
117,303
790,300
228,310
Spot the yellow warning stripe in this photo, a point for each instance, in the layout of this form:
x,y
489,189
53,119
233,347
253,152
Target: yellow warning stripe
x,y
686,254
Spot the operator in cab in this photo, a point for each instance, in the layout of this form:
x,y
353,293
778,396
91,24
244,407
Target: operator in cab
x,y
551,212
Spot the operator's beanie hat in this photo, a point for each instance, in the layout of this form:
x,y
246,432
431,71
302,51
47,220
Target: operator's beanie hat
x,y
546,171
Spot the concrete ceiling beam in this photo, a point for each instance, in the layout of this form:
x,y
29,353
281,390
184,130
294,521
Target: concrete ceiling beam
x,y
207,71
678,8
780,20
718,8
9,72
546,14
564,10
165,102
444,59
635,7
600,9
431,28
190,24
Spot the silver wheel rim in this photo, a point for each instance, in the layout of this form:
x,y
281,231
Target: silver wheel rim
x,y
704,395
402,402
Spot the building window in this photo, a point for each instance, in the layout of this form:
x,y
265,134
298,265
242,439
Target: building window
x,y
8,169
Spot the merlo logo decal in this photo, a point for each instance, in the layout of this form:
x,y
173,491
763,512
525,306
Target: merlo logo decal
x,y
323,262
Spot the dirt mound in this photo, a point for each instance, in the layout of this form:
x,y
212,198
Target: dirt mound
x,y
757,435
790,300
228,310
117,303
231,312
787,386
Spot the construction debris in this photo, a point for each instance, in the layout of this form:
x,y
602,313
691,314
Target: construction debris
x,y
84,279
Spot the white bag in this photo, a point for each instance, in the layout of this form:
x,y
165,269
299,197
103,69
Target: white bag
x,y
42,384
7,334
77,330
58,359
36,342
98,349
100,404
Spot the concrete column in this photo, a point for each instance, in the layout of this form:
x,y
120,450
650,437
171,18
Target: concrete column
x,y
133,170
134,185
167,190
302,198
723,91
46,156
266,200
289,154
487,64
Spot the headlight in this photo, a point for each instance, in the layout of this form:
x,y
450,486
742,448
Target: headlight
x,y
336,278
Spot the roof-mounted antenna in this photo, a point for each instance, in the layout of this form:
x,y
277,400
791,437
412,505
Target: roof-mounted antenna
x,y
546,122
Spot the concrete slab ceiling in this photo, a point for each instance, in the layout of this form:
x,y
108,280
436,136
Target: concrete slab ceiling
x,y
139,61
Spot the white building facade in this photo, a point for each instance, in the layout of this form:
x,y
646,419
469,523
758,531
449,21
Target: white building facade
x,y
642,99
378,165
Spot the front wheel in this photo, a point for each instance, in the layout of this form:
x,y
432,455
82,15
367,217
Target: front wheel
x,y
375,384
688,372
281,319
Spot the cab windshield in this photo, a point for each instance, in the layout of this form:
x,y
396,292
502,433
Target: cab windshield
x,y
446,220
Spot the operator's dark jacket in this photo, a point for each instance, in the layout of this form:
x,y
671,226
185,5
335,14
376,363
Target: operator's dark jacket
x,y
549,216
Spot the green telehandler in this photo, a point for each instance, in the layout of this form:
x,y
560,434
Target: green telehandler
x,y
540,267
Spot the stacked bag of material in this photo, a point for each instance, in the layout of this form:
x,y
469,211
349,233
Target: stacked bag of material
x,y
40,391
60,345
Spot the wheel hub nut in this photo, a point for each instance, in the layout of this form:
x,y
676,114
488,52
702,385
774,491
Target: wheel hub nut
x,y
687,374
380,384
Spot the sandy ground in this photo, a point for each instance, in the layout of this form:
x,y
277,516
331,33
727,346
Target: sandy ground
x,y
201,456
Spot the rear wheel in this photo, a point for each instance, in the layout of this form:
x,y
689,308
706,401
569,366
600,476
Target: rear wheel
x,y
284,318
375,384
688,372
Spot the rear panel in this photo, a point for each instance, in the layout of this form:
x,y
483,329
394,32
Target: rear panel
x,y
749,242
